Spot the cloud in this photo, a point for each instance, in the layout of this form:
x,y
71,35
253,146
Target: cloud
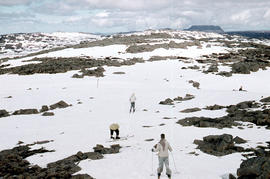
x,y
14,2
102,14
125,15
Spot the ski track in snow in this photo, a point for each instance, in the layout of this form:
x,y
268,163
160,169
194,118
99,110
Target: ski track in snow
x,y
82,126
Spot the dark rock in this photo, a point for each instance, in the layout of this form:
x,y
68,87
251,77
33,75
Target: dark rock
x,y
81,176
218,145
219,123
257,167
3,113
265,100
231,176
224,73
214,107
119,73
239,140
48,114
25,112
195,84
212,68
44,108
168,101
149,140
60,104
190,110
103,150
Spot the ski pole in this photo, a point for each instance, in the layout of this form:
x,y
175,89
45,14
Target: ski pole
x,y
152,174
174,164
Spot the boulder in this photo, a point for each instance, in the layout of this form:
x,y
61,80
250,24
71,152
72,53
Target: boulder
x,y
167,101
218,145
60,104
190,110
214,107
265,100
25,112
44,108
103,150
48,114
3,113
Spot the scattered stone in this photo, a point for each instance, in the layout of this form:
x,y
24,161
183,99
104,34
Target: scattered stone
x,y
3,113
145,110
48,114
119,73
168,101
195,84
162,124
79,102
193,153
25,112
190,110
60,104
187,97
43,142
147,126
149,140
167,118
9,97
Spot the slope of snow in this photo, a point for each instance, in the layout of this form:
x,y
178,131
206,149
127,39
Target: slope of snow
x,y
105,101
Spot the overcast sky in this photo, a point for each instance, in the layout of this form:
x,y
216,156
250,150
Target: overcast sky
x,y
106,16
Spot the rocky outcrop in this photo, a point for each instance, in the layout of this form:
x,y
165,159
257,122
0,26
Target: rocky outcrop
x,y
236,113
265,100
14,165
3,113
98,72
214,107
48,114
167,101
103,150
222,122
60,104
218,145
186,98
62,65
25,112
190,110
44,108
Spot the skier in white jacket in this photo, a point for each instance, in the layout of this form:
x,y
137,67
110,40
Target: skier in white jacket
x,y
163,155
132,100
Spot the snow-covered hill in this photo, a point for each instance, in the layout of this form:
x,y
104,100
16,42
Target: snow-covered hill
x,y
14,45
155,65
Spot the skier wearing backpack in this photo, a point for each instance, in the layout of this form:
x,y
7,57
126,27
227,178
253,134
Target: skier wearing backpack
x,y
163,155
114,128
132,100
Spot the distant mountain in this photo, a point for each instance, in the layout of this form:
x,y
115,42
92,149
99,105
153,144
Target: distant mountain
x,y
252,34
206,28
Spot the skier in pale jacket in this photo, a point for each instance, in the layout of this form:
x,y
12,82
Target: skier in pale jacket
x,y
132,100
163,148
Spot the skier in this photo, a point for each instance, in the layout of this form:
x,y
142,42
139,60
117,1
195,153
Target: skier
x,y
132,100
114,128
163,155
